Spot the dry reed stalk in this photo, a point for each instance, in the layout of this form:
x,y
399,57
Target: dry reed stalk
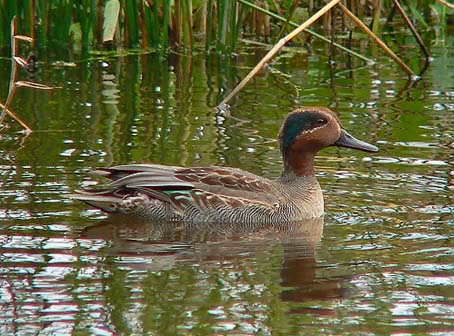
x,y
281,43
321,37
13,75
447,4
16,61
377,40
412,28
15,117
178,24
142,26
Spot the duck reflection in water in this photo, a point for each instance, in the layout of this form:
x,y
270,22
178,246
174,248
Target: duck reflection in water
x,y
170,244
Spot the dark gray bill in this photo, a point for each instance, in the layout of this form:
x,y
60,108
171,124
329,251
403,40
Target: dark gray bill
x,y
349,141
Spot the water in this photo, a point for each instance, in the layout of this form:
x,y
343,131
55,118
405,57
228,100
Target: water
x,y
380,261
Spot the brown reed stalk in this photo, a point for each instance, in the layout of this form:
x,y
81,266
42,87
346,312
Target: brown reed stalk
x,y
413,29
447,4
17,61
321,37
281,43
15,117
377,40
12,80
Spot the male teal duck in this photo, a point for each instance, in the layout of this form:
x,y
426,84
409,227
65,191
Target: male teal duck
x,y
224,194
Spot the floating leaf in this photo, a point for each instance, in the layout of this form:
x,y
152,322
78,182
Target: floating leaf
x,y
110,20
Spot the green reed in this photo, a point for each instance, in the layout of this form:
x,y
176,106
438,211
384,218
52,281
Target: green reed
x,y
131,23
182,24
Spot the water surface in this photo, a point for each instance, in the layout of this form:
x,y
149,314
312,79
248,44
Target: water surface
x,y
379,262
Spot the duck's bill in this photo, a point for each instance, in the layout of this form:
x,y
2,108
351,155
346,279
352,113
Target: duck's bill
x,y
349,141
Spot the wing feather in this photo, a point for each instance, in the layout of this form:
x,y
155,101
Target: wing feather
x,y
199,189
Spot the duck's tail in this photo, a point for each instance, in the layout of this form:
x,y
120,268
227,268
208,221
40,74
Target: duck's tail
x,y
105,202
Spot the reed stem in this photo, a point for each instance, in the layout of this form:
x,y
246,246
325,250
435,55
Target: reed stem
x,y
377,40
275,49
321,37
12,80
412,28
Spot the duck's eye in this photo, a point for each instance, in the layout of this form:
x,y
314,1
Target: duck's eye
x,y
321,121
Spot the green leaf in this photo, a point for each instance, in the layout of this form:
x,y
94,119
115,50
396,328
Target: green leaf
x,y
110,20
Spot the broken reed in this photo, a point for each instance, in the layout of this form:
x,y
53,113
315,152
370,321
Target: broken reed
x,y
179,24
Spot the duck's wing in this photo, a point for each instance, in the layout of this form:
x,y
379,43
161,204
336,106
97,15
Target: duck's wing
x,y
163,177
202,187
226,187
229,179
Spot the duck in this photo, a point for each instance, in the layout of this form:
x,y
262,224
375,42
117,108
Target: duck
x,y
220,194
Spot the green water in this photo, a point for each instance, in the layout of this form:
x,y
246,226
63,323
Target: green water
x,y
380,263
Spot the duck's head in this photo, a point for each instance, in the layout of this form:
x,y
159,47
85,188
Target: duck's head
x,y
307,130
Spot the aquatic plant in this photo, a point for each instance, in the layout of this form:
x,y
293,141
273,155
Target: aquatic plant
x,y
16,62
216,25
163,25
